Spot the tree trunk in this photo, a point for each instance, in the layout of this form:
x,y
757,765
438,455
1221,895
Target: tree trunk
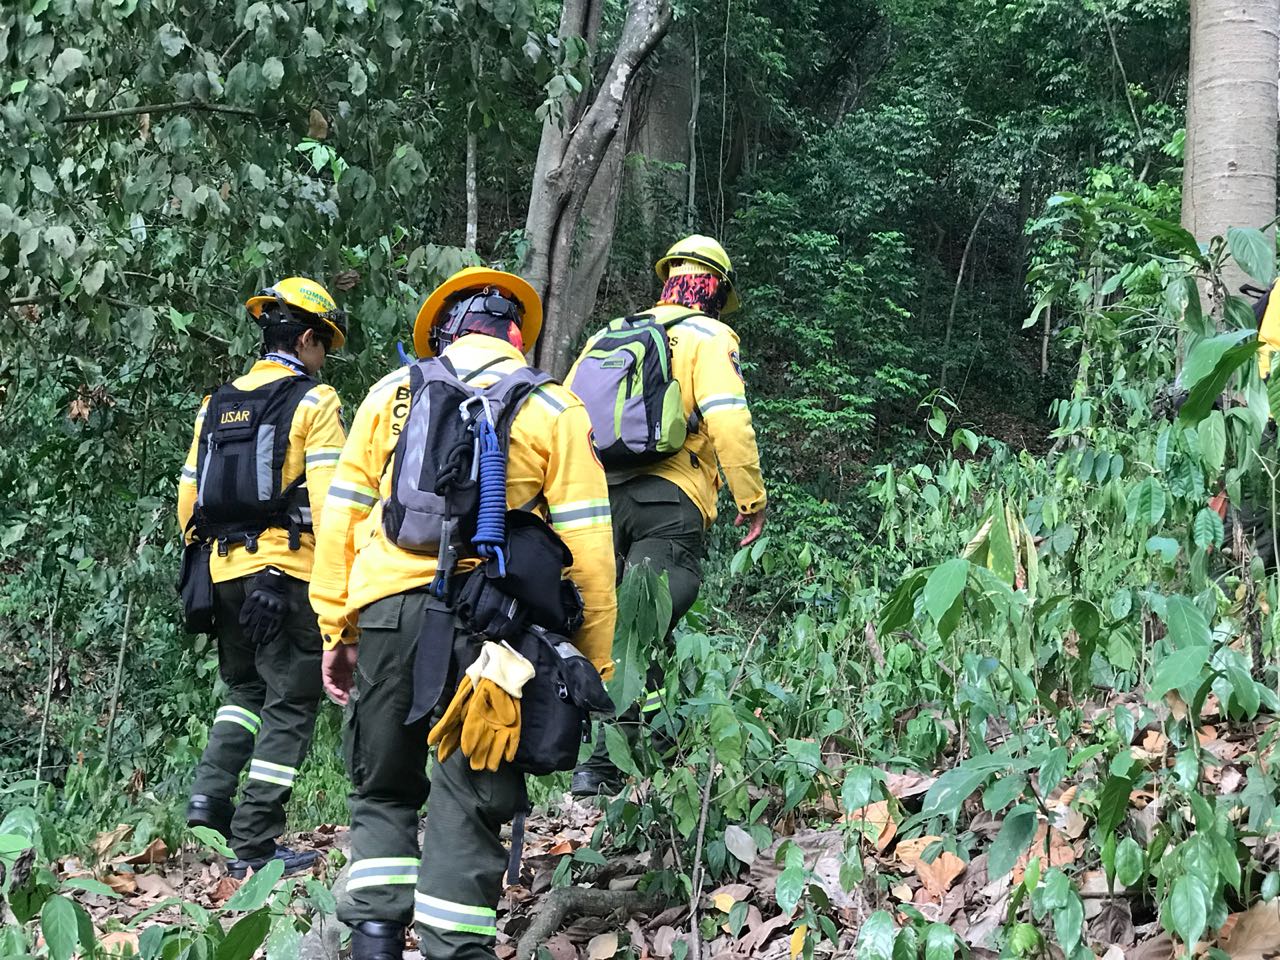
x,y
473,201
1229,174
570,157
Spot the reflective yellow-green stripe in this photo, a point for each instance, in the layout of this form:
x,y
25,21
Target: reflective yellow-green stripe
x,y
455,917
268,772
383,871
653,700
580,513
245,718
344,494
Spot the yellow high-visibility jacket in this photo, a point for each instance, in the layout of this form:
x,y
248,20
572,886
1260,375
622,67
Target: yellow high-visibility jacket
x,y
551,468
1269,333
704,358
315,440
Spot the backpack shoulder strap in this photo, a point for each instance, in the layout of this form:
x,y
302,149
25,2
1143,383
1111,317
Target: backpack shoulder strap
x,y
680,318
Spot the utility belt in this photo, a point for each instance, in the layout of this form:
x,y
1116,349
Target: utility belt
x,y
532,608
195,581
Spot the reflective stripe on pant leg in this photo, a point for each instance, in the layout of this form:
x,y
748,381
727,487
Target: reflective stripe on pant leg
x,y
277,773
383,871
454,917
245,718
653,700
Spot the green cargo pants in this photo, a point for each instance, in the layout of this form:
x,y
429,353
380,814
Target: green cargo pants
x,y
654,521
266,718
458,873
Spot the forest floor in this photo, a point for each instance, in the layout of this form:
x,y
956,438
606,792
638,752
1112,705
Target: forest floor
x,y
618,920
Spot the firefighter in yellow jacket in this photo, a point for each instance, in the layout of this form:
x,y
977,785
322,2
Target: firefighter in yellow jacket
x,y
661,511
258,471
378,602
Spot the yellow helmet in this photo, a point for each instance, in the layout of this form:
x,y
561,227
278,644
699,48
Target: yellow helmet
x,y
709,253
302,294
477,279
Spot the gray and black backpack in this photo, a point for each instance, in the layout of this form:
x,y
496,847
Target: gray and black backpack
x,y
434,503
242,449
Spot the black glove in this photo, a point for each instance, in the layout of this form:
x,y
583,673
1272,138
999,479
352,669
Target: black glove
x,y
265,606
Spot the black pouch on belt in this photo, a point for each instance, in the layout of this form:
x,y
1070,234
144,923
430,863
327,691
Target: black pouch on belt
x,y
533,589
556,705
195,588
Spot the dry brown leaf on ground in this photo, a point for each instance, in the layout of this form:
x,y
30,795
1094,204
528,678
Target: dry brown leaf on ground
x,y
663,942
1255,935
910,784
1157,948
903,892
561,948
938,876
563,847
603,947
876,823
222,890
122,942
1155,742
1061,852
909,852
736,891
122,883
105,842
760,935
157,852
154,887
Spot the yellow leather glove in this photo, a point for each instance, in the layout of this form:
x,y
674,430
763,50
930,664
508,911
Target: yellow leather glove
x,y
491,728
446,735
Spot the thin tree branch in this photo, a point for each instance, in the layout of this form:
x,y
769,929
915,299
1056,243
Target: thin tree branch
x,y
955,296
153,108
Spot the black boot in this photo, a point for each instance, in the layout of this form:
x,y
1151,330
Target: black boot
x,y
377,940
597,780
295,861
213,812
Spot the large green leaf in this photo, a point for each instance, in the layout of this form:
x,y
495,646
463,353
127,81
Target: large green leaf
x,y
255,891
1113,801
60,927
1015,835
1211,384
1188,908
875,939
952,789
1129,861
1207,529
243,939
1213,441
1179,669
1254,251
1187,626
944,585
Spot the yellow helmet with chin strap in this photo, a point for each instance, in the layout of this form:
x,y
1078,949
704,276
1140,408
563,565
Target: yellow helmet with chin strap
x,y
284,300
476,280
708,253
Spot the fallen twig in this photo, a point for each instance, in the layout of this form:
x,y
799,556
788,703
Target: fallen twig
x,y
564,901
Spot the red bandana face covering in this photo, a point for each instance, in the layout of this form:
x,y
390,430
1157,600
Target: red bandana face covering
x,y
703,292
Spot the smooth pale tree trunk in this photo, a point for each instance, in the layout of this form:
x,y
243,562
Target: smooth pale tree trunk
x,y
1229,173
570,157
473,199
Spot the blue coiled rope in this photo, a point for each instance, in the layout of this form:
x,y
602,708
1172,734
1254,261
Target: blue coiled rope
x,y
491,519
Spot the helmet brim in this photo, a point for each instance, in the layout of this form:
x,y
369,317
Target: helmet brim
x,y
257,303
